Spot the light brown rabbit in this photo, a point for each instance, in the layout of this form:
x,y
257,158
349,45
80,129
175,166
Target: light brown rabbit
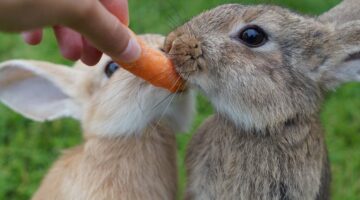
x,y
266,70
347,10
129,150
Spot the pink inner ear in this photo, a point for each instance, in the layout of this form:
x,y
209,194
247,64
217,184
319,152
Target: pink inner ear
x,y
13,74
34,96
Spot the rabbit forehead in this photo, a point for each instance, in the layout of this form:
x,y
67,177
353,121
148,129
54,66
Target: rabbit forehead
x,y
223,18
301,41
288,32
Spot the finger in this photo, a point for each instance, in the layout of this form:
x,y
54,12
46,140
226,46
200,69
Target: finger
x,y
90,55
33,37
70,42
119,8
106,33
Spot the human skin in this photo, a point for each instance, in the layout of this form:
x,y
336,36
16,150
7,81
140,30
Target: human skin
x,y
83,28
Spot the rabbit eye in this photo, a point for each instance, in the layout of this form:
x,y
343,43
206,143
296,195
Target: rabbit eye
x,y
253,36
110,68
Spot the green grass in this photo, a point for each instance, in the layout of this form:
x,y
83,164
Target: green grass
x,y
27,149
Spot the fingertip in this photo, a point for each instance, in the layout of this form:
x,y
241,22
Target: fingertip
x,y
72,54
108,35
90,55
70,43
32,37
91,61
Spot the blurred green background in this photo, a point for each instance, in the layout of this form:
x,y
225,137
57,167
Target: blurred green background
x,y
27,149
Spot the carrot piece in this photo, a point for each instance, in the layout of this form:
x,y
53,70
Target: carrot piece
x,y
156,68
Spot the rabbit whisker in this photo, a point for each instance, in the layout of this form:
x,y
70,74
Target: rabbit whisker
x,y
175,19
171,100
161,101
156,105
103,101
188,72
138,99
174,54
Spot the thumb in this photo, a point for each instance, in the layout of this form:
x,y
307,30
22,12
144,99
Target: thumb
x,y
107,33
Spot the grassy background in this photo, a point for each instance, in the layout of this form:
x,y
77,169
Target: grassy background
x,y
27,149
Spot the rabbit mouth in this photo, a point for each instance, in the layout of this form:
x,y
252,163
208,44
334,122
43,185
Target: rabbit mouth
x,y
189,67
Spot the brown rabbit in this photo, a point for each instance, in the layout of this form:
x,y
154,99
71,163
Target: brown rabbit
x,y
129,150
347,10
266,70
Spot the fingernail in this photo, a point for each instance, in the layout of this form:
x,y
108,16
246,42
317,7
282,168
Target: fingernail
x,y
132,51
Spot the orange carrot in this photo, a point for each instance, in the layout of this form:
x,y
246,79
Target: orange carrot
x,y
156,68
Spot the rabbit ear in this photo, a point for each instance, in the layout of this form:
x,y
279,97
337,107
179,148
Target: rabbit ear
x,y
39,90
345,11
343,64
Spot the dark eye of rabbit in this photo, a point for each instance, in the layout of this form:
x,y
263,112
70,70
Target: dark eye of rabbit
x,y
110,68
253,36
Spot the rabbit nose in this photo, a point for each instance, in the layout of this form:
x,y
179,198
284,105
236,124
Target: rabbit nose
x,y
186,45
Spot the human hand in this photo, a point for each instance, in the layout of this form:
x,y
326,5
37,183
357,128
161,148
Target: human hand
x,y
81,27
